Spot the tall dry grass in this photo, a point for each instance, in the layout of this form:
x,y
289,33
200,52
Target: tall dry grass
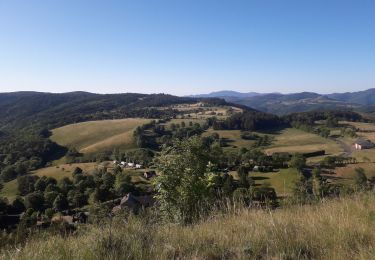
x,y
336,229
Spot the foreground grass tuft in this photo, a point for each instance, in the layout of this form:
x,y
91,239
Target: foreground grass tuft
x,y
336,229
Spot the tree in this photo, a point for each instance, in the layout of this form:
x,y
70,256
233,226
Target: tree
x,y
298,161
8,174
317,183
77,171
360,178
18,205
228,185
49,213
35,201
49,197
182,187
264,193
77,199
123,184
65,185
301,189
3,206
244,180
101,194
60,203
26,184
41,184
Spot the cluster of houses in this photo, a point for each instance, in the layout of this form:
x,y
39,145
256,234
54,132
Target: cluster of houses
x,y
124,164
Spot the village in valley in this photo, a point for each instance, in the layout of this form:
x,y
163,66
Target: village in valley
x,y
271,162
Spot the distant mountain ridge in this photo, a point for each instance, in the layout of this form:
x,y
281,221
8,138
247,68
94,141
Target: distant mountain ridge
x,y
281,104
230,93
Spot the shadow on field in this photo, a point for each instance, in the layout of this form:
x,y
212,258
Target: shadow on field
x,y
259,178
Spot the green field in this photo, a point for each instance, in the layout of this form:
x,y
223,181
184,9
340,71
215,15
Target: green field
x,y
65,170
97,136
58,172
220,112
232,137
10,190
282,181
347,173
297,141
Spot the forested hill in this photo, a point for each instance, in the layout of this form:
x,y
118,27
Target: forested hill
x,y
282,104
33,109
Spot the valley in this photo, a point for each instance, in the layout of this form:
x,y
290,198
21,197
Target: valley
x,y
257,159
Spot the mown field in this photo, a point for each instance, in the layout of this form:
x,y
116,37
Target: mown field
x,y
347,173
232,138
98,136
282,180
297,141
335,229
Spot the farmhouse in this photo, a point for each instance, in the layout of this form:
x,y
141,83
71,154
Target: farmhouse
x,y
361,144
134,203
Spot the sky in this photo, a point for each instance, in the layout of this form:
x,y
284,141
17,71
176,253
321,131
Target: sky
x,y
186,47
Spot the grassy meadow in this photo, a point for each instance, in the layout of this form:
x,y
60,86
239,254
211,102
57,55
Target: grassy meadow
x,y
348,172
335,229
282,180
10,189
97,136
297,141
232,137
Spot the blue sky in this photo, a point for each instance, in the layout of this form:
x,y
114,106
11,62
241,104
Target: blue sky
x,y
187,46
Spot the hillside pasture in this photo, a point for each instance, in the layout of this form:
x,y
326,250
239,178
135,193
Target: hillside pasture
x,y
98,136
360,125
282,181
232,138
66,170
347,173
9,190
297,141
220,112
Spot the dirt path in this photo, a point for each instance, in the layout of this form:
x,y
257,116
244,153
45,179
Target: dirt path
x,y
347,149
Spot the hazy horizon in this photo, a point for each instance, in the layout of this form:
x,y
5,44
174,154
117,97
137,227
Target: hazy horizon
x,y
191,94
187,47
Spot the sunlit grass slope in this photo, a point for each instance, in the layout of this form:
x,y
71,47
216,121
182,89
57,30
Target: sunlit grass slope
x,y
336,229
97,136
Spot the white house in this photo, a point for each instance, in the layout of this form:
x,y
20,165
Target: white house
x,y
123,163
361,144
130,164
138,166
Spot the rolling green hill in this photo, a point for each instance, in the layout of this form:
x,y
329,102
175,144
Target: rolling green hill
x,y
98,136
